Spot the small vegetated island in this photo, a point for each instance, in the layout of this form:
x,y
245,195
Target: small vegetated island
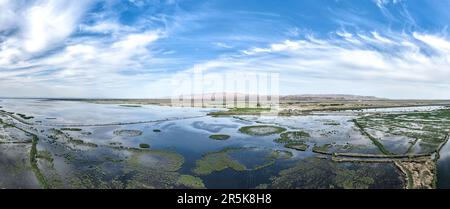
x,y
229,158
219,136
261,130
130,133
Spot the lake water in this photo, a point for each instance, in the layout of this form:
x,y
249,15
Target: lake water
x,y
186,131
443,168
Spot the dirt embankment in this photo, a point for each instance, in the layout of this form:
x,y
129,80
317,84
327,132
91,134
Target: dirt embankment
x,y
419,175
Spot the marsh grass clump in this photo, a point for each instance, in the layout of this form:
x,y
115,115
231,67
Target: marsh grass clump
x,y
129,133
314,173
129,105
219,136
86,133
322,149
144,146
23,116
5,125
239,159
280,154
261,130
44,154
217,161
81,142
292,137
332,124
71,129
294,140
297,146
165,160
56,134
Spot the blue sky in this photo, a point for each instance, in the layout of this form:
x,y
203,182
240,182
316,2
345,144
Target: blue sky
x,y
139,48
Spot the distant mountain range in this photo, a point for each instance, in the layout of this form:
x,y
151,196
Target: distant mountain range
x,y
329,97
315,97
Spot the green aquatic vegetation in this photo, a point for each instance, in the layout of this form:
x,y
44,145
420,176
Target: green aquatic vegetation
x,y
33,155
161,159
219,136
241,111
46,155
23,116
272,157
153,179
294,140
280,154
192,182
429,127
226,159
352,179
332,124
95,176
114,143
322,149
261,130
34,166
56,134
5,125
130,105
297,146
144,146
314,173
292,137
127,133
217,161
71,129
81,142
130,168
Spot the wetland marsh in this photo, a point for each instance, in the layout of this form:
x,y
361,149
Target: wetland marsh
x,y
78,144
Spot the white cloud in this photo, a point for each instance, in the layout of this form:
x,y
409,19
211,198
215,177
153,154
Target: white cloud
x,y
36,27
382,3
101,61
8,16
223,45
49,22
80,66
364,64
287,45
438,43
